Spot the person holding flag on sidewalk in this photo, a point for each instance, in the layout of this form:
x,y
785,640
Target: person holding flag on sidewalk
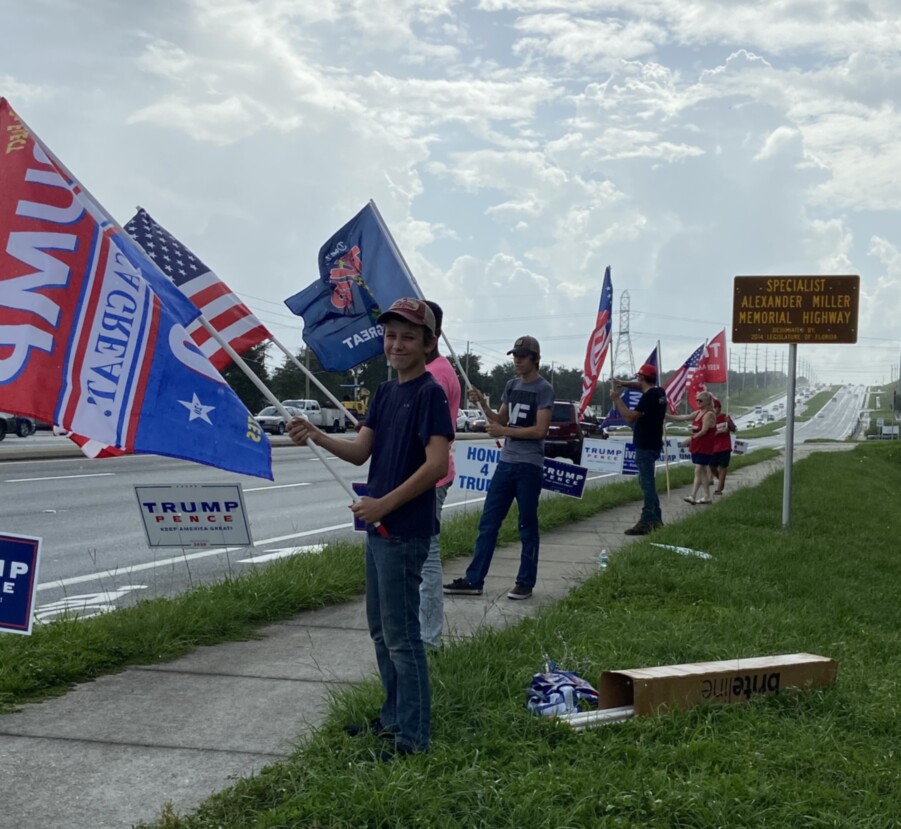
x,y
646,420
523,420
406,434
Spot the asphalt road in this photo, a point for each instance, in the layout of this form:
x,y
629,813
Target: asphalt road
x,y
95,554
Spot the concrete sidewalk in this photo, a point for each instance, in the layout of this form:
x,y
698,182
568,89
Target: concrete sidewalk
x,y
112,752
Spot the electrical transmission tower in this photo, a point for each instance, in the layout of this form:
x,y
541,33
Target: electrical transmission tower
x,y
623,359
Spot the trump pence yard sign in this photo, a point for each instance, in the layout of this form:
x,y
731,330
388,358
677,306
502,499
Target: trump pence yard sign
x,y
19,556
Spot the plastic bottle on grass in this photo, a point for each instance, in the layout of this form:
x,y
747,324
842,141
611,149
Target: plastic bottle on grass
x,y
602,559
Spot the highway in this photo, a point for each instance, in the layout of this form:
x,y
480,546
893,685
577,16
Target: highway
x,y
95,554
94,548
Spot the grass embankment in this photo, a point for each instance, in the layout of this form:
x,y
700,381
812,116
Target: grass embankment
x,y
879,404
71,650
802,759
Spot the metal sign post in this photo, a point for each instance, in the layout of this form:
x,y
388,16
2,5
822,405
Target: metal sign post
x,y
789,435
794,309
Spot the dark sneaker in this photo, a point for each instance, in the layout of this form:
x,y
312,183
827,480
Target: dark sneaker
x,y
656,525
639,529
462,587
374,726
520,591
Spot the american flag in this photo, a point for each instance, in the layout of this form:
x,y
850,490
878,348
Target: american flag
x,y
675,388
221,308
598,343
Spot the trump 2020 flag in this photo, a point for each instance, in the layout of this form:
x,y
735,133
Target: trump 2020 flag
x,y
675,388
221,308
598,344
360,273
711,368
630,396
85,340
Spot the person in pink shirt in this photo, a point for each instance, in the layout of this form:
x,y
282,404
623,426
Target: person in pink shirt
x,y
431,596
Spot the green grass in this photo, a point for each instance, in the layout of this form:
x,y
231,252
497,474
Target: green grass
x,y
820,399
825,758
70,650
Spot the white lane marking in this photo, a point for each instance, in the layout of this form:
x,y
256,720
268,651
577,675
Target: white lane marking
x,y
166,562
86,605
61,477
216,551
284,552
275,486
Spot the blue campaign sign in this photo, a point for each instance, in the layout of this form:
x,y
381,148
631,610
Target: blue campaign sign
x,y
565,478
19,556
629,467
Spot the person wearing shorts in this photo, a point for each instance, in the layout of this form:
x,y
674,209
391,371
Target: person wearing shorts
x,y
700,444
722,446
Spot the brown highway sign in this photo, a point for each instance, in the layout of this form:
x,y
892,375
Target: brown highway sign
x,y
795,309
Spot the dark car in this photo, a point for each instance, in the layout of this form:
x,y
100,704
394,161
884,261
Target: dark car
x,y
564,438
16,425
591,427
478,425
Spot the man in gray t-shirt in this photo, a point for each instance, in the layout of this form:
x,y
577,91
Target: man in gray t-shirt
x,y
523,421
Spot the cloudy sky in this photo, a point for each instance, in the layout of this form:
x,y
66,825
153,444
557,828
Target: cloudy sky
x,y
515,148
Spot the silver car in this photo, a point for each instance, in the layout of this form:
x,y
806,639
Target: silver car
x,y
272,421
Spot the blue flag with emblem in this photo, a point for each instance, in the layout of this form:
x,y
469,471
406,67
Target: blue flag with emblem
x,y
360,273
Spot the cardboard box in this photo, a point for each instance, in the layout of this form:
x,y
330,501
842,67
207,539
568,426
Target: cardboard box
x,y
661,689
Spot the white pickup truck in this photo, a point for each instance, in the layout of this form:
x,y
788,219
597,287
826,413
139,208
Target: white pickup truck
x,y
327,418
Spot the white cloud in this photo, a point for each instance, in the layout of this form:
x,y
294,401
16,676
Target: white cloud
x,y
515,147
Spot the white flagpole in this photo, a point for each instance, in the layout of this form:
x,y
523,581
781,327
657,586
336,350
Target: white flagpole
x,y
313,377
264,390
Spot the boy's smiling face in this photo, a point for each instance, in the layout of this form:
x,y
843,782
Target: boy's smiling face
x,y
406,346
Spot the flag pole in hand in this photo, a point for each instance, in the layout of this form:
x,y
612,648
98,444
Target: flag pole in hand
x,y
264,390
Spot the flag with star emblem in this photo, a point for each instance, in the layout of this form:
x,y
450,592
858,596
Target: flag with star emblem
x,y
360,273
92,335
220,307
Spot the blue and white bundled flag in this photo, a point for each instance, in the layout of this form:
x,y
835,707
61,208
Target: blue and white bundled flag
x,y
559,692
360,273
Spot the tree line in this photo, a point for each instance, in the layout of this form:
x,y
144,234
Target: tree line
x,y
287,381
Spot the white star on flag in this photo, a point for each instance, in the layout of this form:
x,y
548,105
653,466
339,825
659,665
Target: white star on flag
x,y
197,410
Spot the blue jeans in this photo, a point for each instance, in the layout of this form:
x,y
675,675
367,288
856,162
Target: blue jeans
x,y
393,574
521,481
645,460
431,596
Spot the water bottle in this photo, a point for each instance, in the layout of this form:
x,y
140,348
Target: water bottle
x,y
602,560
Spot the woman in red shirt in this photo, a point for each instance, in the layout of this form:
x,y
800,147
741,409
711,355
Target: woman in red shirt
x,y
703,434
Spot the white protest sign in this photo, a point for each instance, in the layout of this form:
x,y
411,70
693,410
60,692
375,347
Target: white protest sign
x,y
474,465
603,455
194,515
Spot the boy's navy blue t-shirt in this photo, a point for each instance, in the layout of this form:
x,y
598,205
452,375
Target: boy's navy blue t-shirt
x,y
404,417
